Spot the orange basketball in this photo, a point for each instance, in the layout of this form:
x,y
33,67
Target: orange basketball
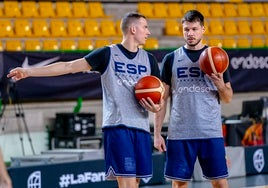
x,y
213,60
149,86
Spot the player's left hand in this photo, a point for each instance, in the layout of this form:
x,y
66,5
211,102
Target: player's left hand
x,y
217,79
150,105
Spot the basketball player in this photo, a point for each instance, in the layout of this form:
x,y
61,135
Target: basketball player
x,y
195,128
5,181
127,141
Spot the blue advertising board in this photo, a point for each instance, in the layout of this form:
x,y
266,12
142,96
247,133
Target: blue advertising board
x,y
248,69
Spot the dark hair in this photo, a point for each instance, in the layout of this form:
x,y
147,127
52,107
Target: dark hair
x,y
128,18
193,16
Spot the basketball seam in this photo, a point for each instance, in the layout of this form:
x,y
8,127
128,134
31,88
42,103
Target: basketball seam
x,y
159,89
211,62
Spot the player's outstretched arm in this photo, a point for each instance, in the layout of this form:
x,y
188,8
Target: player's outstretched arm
x,y
54,69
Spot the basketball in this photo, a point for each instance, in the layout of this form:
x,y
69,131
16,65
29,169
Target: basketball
x,y
213,60
149,86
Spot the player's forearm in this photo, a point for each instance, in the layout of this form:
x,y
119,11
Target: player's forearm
x,y
54,69
160,116
159,119
226,93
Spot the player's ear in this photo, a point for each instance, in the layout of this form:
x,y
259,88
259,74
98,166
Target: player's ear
x,y
132,29
204,29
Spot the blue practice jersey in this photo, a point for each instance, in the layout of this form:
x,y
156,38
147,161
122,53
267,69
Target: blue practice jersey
x,y
120,70
195,107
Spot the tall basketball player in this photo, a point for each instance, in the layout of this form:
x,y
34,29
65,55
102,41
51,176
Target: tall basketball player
x,y
195,128
127,141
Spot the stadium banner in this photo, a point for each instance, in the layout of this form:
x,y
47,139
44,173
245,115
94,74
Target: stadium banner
x,y
65,87
82,174
248,69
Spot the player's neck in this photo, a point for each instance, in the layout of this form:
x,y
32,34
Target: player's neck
x,y
130,46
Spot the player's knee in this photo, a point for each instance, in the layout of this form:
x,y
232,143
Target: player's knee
x,y
219,183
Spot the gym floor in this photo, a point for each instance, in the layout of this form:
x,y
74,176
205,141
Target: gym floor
x,y
253,181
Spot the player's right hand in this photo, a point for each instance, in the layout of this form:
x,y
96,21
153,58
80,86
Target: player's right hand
x,y
17,74
159,143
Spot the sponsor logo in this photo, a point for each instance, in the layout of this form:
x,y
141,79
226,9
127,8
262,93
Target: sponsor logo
x,y
194,89
129,68
249,62
25,63
34,180
146,180
70,179
258,160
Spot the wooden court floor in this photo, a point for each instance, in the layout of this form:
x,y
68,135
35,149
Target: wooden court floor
x,y
253,181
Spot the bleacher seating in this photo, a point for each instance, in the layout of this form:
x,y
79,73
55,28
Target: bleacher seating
x,y
75,28
258,27
151,43
96,10
6,28
80,9
46,9
160,10
40,27
38,21
1,46
11,9
174,10
146,8
63,9
29,9
91,28
243,10
187,6
58,28
107,28
244,27
258,42
101,42
204,8
216,27
68,44
14,45
172,27
33,45
51,45
257,9
230,27
243,42
215,42
230,10
85,44
22,28
229,42
216,10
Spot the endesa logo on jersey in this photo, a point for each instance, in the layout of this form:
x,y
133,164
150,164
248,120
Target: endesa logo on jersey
x,y
129,68
189,74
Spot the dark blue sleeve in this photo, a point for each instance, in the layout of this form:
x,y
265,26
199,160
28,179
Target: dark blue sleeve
x,y
99,59
226,76
166,68
154,66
